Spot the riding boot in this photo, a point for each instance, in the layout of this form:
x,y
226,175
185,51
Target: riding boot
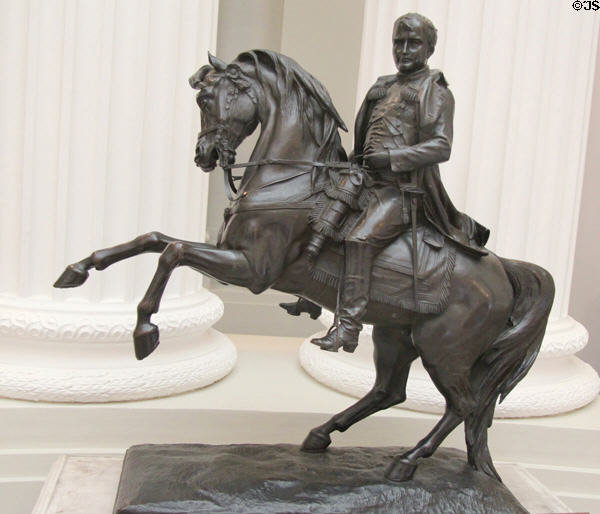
x,y
354,298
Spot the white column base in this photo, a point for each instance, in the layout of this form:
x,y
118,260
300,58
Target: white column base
x,y
558,381
83,352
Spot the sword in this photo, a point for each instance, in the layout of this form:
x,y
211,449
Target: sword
x,y
414,179
413,219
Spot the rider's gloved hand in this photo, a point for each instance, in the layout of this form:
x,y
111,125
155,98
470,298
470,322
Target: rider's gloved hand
x,y
377,160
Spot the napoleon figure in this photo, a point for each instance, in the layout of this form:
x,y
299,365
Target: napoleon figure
x,y
402,131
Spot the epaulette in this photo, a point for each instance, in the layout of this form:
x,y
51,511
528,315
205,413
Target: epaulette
x,y
379,89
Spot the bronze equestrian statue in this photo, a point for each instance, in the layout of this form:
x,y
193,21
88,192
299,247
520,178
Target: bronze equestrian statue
x,y
402,131
476,320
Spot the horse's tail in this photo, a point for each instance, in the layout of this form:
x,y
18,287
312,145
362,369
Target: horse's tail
x,y
510,356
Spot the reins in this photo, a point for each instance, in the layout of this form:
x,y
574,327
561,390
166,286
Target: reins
x,y
224,148
232,191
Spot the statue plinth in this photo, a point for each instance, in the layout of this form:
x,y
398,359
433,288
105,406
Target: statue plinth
x,y
280,478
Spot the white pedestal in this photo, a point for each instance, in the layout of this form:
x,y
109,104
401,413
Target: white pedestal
x,y
558,381
84,353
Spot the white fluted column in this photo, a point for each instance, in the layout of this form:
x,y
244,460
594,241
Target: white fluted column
x,y
96,146
521,73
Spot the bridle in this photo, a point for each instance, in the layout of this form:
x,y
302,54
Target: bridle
x,y
225,149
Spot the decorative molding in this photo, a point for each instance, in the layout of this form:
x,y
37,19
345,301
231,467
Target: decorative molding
x,y
71,375
92,323
563,337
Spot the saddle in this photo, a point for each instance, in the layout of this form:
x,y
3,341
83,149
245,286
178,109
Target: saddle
x,y
392,273
338,210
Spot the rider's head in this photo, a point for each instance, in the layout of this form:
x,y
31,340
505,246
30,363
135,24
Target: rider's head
x,y
414,39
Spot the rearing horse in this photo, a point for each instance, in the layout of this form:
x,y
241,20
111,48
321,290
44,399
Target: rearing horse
x,y
475,350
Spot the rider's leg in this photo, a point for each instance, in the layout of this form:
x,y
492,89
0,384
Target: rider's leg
x,y
354,297
379,225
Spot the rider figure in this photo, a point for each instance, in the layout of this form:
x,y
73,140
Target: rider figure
x,y
402,131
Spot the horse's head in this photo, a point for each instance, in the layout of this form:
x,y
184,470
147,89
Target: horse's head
x,y
228,110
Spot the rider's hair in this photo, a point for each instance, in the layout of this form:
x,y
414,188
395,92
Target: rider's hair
x,y
411,19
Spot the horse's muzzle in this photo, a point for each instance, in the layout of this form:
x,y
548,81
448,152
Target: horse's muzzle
x,y
206,160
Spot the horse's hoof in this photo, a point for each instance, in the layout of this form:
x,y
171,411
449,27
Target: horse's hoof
x,y
316,442
145,340
401,470
73,276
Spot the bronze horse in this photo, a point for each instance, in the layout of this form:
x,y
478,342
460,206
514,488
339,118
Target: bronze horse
x,y
475,350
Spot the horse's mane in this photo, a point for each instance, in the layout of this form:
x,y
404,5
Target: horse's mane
x,y
291,77
289,74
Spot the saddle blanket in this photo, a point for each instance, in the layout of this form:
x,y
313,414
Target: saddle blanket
x,y
392,274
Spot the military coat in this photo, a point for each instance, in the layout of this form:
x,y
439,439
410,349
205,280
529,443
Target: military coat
x,y
425,146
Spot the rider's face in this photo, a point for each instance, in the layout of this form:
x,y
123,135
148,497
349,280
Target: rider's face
x,y
411,49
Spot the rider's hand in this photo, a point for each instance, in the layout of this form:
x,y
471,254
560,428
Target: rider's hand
x,y
377,160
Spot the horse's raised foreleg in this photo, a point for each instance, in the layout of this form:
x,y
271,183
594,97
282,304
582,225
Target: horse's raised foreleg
x,y
229,266
76,274
393,355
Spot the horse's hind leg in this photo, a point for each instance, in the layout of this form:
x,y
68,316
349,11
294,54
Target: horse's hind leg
x,y
448,351
456,389
393,355
76,274
460,402
403,467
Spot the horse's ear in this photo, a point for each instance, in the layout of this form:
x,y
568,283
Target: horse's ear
x,y
216,63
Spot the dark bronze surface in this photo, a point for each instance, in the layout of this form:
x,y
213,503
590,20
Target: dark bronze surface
x,y
186,478
403,130
489,331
